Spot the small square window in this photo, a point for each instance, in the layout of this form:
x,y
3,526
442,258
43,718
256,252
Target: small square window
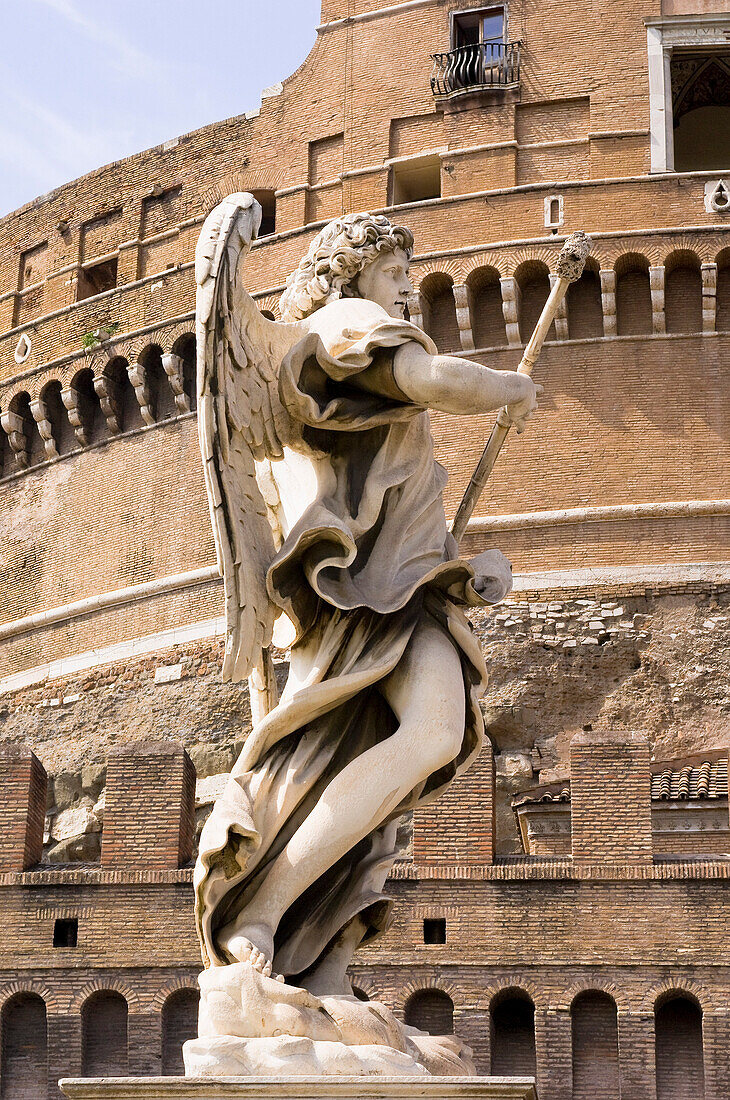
x,y
416,179
66,932
434,930
96,278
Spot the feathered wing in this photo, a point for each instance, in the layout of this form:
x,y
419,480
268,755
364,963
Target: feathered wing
x,y
240,420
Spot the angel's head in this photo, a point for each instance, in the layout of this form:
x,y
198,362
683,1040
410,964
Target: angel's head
x,y
355,256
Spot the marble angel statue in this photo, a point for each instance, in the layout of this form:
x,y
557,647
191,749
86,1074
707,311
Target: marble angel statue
x,y
326,504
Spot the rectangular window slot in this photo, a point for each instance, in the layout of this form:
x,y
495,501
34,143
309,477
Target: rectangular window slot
x,y
66,932
267,199
416,179
97,278
434,930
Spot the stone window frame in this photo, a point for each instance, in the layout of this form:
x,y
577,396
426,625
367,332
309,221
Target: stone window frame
x,y
663,36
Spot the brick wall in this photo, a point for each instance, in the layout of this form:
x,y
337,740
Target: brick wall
x,y
148,818
611,798
595,1052
459,827
22,808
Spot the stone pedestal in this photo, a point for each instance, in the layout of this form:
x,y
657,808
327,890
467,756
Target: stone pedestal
x,y
300,1088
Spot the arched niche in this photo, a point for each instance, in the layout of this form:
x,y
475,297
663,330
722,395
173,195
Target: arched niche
x,y
633,295
430,1010
439,311
512,1020
104,1018
594,1029
485,307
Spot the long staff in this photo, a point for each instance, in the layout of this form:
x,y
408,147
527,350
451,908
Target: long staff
x,y
571,262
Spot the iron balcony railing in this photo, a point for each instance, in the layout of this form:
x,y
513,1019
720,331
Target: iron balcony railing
x,y
482,65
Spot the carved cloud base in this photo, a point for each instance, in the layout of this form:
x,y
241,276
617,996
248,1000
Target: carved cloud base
x,y
292,1056
251,1025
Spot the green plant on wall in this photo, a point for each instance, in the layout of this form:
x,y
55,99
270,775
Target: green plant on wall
x,y
99,335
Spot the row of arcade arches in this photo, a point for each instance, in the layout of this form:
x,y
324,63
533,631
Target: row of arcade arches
x,y
595,1040
631,299
98,404
595,1031
104,1039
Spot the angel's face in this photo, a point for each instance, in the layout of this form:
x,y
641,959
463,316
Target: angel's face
x,y
385,281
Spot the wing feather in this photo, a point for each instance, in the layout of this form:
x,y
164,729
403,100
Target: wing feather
x,y
240,420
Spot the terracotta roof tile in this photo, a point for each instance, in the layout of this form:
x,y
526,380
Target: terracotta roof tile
x,y
680,782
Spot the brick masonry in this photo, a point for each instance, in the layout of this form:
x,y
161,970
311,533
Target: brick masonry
x,y
556,962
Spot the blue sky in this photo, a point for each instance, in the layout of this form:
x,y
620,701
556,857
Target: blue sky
x,y
85,82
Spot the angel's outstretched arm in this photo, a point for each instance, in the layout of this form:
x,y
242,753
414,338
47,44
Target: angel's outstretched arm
x,y
451,384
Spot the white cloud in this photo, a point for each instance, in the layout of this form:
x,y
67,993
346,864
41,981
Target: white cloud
x,y
124,55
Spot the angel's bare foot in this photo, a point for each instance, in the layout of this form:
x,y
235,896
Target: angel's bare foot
x,y
252,943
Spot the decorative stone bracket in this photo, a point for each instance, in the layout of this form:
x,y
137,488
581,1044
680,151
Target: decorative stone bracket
x,y
15,428
74,403
608,301
709,297
108,392
463,317
656,287
511,302
138,377
561,316
39,412
173,367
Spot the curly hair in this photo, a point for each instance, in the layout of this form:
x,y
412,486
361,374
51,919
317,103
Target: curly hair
x,y
336,257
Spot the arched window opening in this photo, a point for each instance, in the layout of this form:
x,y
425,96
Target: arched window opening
x,y
513,1035
439,312
63,433
360,993
89,409
683,292
162,398
179,1023
24,1048
268,208
633,296
680,1073
723,291
594,1028
27,427
430,1010
485,307
104,1035
533,280
585,309
185,348
701,109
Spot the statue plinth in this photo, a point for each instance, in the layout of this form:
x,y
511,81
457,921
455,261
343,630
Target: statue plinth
x,y
300,1088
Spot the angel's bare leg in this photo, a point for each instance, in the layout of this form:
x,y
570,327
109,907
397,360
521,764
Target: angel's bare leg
x,y
426,693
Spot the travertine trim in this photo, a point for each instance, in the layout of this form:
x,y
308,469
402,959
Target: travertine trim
x,y
702,575
600,514
134,647
120,598
662,36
